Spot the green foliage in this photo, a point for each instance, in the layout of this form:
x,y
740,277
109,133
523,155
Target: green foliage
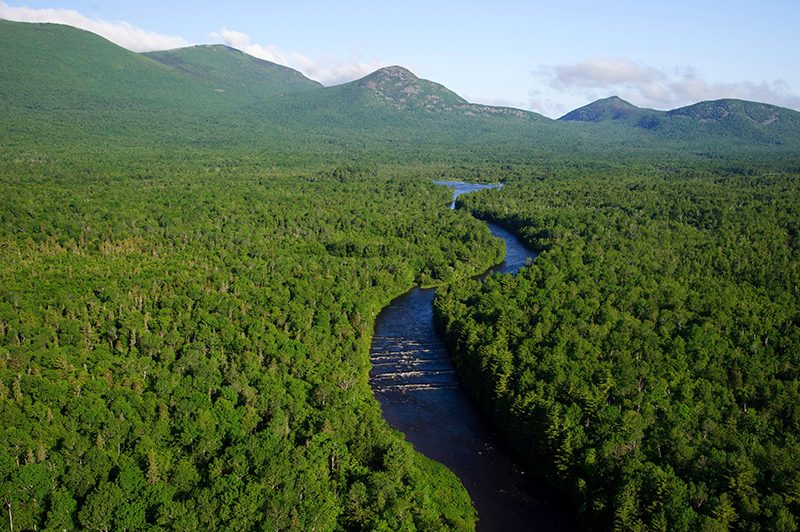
x,y
648,360
742,123
194,244
190,349
225,69
65,91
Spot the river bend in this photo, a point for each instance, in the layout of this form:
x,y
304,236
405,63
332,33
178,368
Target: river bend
x,y
416,384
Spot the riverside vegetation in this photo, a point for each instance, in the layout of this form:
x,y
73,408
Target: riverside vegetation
x,y
194,244
189,351
648,360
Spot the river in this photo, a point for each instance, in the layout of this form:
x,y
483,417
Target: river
x,y
416,384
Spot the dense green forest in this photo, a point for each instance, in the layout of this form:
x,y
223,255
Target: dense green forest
x,y
194,245
647,362
189,350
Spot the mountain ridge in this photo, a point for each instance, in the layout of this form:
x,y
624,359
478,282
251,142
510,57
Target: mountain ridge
x,y
615,108
611,108
727,117
400,86
63,83
227,68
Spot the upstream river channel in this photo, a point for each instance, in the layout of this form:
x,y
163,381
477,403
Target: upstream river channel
x,y
416,384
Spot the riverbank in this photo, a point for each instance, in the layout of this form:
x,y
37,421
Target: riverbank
x,y
415,382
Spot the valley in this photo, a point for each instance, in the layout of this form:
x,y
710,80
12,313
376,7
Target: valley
x,y
197,248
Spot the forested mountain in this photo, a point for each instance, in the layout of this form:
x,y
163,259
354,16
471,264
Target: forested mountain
x,y
68,89
613,108
194,245
62,84
737,120
227,69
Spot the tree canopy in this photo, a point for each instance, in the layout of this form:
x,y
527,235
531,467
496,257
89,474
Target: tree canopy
x,y
648,360
187,348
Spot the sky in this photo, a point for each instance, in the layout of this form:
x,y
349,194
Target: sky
x,y
548,57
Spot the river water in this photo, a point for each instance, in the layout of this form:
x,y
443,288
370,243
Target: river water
x,y
416,384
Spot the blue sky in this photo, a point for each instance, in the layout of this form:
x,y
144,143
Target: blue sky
x,y
549,57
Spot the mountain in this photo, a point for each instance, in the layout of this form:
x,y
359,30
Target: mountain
x,y
65,89
227,69
739,120
613,108
68,89
402,89
392,104
55,67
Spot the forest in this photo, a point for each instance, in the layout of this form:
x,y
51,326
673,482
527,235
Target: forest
x,y
194,246
188,350
647,361
184,343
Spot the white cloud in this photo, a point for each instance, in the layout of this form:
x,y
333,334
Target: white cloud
x,y
241,41
121,33
646,86
324,69
600,72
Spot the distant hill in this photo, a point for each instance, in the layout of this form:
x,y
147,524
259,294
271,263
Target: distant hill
x,y
401,88
392,104
68,89
54,67
72,89
228,69
613,108
744,121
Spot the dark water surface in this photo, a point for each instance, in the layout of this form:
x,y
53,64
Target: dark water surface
x,y
415,382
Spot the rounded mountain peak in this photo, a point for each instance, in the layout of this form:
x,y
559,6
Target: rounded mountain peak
x,y
402,87
613,108
391,76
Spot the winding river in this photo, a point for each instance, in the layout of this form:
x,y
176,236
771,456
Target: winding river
x,y
416,384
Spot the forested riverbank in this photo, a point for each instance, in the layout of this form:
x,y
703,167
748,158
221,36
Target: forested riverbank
x,y
647,361
414,380
194,245
189,350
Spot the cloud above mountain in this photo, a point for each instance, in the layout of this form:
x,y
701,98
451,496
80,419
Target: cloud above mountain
x,y
121,33
326,70
647,86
